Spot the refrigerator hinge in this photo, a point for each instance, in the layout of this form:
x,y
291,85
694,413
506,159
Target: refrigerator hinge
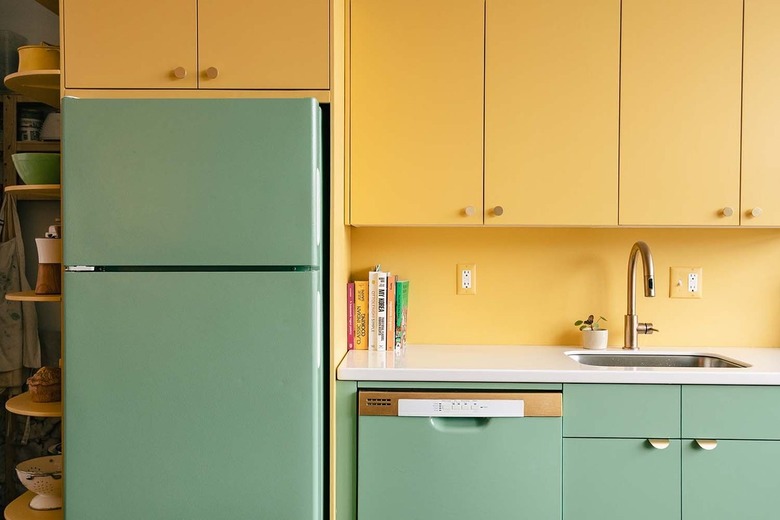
x,y
80,268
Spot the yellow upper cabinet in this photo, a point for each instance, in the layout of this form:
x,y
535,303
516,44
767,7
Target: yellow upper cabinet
x,y
680,112
551,112
139,44
180,44
416,112
761,115
263,44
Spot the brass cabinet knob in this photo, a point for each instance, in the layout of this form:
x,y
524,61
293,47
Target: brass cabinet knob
x,y
707,444
179,73
212,73
469,211
727,211
659,444
498,211
756,212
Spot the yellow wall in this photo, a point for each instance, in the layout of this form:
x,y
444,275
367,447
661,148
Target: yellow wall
x,y
532,284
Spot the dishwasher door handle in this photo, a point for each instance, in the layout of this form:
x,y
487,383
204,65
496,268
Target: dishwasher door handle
x,y
459,424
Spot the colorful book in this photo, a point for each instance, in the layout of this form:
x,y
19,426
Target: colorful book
x,y
351,316
361,315
401,313
391,279
373,278
381,310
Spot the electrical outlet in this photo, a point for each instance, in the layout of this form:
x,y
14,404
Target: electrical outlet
x,y
685,282
466,282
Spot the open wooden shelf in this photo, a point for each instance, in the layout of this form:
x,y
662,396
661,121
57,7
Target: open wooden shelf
x,y
37,146
19,509
30,296
34,191
40,85
22,404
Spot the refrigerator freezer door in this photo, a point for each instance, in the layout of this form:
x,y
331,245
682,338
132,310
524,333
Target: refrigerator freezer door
x,y
193,395
178,182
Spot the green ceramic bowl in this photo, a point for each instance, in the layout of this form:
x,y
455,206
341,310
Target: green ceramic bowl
x,y
38,168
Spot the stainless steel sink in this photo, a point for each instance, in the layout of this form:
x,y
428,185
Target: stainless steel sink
x,y
655,359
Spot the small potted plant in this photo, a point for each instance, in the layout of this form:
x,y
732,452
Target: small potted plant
x,y
593,336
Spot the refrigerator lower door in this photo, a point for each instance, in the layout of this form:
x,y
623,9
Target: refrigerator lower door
x,y
193,395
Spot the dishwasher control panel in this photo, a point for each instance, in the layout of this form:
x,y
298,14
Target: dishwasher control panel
x,y
461,408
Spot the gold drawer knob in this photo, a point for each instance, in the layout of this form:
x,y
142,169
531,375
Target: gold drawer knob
x,y
179,73
212,73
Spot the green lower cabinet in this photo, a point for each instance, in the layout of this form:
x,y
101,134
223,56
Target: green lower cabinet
x,y
737,479
616,479
423,468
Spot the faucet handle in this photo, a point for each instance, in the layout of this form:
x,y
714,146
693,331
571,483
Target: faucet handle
x,y
645,328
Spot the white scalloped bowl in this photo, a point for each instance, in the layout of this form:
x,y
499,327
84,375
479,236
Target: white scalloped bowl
x,y
43,476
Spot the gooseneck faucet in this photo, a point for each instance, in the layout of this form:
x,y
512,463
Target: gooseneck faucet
x,y
632,327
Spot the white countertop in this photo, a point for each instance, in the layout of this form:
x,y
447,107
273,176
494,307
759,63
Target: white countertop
x,y
547,364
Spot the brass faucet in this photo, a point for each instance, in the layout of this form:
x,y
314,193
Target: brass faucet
x,y
632,327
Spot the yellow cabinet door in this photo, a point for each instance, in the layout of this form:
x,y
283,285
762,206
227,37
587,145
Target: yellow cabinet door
x,y
761,115
551,112
138,44
263,44
680,112
417,70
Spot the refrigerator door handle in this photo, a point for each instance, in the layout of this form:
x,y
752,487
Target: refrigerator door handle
x,y
318,205
80,268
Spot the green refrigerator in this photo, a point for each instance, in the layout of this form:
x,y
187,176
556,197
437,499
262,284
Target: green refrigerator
x,y
193,309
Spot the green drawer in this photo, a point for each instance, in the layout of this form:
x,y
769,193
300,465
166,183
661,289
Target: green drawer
x,y
628,411
731,412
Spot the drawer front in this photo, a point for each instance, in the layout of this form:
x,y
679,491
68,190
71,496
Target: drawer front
x,y
731,412
616,479
737,479
629,411
459,468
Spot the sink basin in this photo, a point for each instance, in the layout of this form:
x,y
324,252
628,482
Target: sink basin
x,y
655,359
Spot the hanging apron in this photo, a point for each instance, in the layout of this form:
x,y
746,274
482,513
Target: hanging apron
x,y
19,343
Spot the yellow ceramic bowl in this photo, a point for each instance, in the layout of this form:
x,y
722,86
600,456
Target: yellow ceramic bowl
x,y
39,57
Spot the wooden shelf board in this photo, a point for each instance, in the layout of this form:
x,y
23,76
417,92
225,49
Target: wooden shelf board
x,y
37,146
40,85
22,404
19,509
51,5
30,296
34,191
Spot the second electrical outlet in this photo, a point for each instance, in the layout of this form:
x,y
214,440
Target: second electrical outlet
x,y
467,279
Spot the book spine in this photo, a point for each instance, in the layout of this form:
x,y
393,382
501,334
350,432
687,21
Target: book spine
x,y
373,278
401,313
351,316
381,311
391,279
361,315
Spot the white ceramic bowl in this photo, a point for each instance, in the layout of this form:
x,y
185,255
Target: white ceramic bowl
x,y
50,131
43,476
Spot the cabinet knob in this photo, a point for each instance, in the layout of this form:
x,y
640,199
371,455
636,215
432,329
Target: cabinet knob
x,y
179,73
756,212
727,211
659,444
212,73
707,444
498,211
469,211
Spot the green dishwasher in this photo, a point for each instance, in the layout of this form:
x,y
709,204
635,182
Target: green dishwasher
x,y
459,455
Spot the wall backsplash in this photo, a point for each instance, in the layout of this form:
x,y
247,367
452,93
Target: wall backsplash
x,y
533,283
